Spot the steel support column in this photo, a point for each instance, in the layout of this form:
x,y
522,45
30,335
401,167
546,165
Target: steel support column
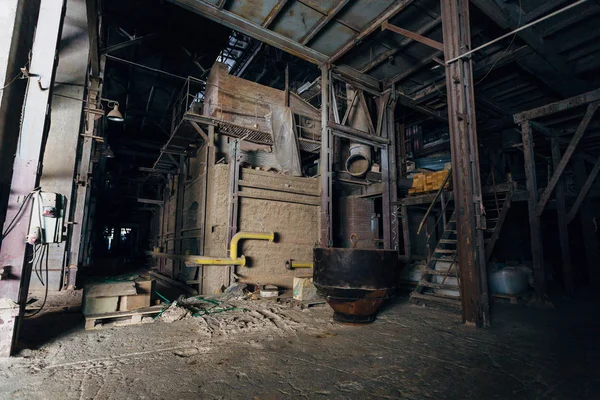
x,y
235,158
179,205
82,181
535,230
326,161
389,176
465,163
27,170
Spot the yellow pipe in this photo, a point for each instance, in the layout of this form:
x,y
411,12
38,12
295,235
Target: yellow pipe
x,y
233,251
291,264
233,246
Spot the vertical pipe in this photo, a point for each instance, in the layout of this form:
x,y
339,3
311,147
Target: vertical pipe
x,y
325,161
406,233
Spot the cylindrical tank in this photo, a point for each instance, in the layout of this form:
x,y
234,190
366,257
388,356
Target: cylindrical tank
x,y
359,161
355,282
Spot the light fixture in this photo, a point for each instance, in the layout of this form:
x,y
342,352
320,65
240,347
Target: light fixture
x,y
108,153
114,114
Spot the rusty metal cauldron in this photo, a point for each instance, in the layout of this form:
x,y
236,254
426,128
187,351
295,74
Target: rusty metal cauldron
x,y
355,282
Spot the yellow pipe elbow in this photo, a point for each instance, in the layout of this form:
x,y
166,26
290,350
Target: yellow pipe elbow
x,y
233,247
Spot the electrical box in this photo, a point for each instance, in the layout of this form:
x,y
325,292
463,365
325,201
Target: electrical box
x,y
47,218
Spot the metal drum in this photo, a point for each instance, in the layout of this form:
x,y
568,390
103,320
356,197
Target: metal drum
x,y
355,282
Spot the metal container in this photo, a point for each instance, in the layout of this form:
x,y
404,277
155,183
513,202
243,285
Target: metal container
x,y
355,282
359,161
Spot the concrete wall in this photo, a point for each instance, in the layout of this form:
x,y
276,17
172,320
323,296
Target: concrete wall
x,y
61,153
295,225
17,25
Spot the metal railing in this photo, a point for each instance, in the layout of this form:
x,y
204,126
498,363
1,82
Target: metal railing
x,y
444,204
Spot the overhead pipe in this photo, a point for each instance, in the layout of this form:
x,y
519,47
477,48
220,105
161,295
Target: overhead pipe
x,y
291,264
233,258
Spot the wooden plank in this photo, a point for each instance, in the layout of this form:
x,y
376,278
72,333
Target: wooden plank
x,y
589,114
584,191
136,316
563,229
412,35
112,289
534,219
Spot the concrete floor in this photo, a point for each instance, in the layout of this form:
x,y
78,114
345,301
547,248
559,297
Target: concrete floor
x,y
410,352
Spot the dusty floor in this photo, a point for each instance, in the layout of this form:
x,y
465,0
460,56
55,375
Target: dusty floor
x,y
274,352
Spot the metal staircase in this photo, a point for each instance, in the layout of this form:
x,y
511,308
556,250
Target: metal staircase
x,y
440,282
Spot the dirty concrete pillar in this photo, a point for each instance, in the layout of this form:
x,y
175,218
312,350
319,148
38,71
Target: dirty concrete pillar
x,y
17,25
26,164
66,117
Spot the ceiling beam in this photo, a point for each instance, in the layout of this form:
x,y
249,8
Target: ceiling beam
x,y
559,76
405,42
323,22
412,35
251,29
416,67
480,67
558,106
127,43
274,13
389,13
92,27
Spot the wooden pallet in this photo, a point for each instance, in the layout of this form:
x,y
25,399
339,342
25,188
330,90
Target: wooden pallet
x,y
124,317
512,298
